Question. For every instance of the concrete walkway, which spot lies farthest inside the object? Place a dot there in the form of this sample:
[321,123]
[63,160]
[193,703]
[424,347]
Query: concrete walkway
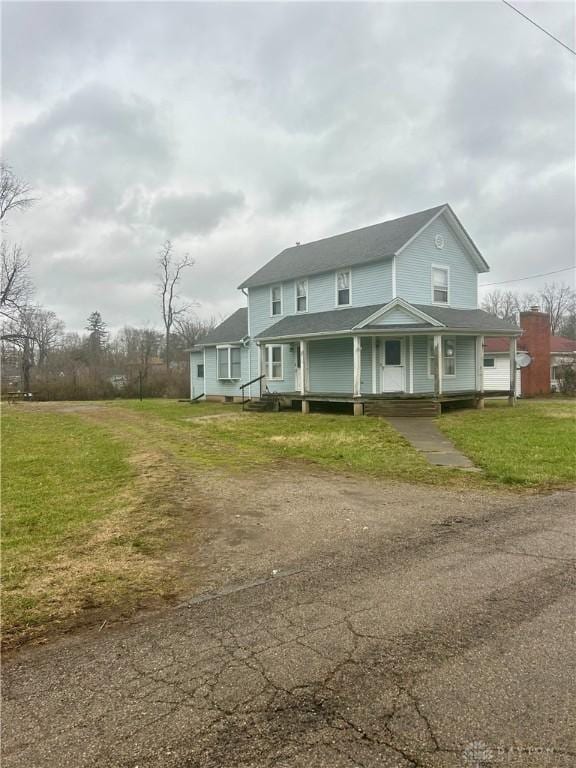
[425,436]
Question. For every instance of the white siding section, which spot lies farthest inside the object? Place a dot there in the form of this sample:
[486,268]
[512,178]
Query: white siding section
[498,378]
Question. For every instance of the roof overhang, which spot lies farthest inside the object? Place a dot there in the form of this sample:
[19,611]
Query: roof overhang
[397,331]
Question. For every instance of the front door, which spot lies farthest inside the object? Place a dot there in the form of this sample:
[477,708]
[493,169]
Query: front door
[392,366]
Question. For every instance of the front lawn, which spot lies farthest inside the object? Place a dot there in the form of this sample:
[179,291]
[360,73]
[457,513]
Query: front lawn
[217,436]
[531,445]
[72,538]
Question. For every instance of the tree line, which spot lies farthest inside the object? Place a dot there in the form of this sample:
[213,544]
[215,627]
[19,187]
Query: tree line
[558,301]
[39,356]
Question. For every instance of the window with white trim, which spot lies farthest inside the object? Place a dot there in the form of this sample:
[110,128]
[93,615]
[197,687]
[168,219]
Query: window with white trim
[440,285]
[301,295]
[200,370]
[489,362]
[448,357]
[228,362]
[276,300]
[274,361]
[343,288]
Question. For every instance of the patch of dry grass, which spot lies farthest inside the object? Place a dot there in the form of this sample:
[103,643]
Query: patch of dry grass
[83,532]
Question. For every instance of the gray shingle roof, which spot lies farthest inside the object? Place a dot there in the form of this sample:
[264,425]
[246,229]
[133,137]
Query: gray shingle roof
[345,320]
[466,318]
[334,320]
[360,246]
[234,328]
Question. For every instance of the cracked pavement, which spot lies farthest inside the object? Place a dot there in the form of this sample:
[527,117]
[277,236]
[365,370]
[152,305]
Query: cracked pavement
[393,649]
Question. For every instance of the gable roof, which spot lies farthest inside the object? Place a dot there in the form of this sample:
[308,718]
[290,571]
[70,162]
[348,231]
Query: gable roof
[233,329]
[349,249]
[348,321]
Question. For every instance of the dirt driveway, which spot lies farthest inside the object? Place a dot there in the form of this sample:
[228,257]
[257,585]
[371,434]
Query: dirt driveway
[351,623]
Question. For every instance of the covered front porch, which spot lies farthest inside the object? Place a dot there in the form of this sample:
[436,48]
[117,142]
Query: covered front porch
[419,371]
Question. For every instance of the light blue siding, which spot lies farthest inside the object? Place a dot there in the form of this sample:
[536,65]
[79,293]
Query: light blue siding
[398,316]
[465,378]
[331,365]
[414,268]
[371,284]
[366,365]
[196,383]
[215,386]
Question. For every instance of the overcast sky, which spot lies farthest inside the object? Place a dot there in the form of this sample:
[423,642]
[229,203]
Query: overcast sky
[238,129]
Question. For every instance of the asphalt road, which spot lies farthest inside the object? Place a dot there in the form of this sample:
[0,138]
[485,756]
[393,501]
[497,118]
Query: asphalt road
[450,644]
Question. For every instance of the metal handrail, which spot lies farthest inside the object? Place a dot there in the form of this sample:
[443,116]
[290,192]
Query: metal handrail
[247,384]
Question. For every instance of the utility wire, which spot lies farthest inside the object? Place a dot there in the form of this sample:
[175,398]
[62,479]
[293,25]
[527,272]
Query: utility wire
[530,277]
[539,27]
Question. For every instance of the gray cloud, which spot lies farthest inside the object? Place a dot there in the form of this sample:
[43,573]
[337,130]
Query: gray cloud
[180,214]
[237,129]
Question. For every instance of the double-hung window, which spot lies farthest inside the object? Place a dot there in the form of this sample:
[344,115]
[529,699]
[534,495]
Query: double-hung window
[276,300]
[448,357]
[343,288]
[301,295]
[274,361]
[229,366]
[440,285]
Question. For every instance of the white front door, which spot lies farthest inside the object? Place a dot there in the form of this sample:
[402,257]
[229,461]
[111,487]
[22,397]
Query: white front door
[392,365]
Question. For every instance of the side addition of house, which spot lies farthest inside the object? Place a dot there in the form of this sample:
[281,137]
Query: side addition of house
[387,312]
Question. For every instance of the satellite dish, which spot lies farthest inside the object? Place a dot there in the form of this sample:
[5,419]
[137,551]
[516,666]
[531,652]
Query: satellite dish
[523,359]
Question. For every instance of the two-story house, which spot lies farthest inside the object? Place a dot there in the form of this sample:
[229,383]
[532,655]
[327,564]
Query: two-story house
[389,311]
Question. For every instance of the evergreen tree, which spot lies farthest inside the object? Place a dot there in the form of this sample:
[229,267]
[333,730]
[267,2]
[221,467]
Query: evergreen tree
[97,335]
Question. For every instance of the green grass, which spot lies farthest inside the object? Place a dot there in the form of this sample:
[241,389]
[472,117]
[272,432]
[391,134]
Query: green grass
[531,445]
[216,436]
[66,544]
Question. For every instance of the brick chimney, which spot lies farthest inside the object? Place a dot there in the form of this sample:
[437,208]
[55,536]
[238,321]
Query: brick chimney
[536,341]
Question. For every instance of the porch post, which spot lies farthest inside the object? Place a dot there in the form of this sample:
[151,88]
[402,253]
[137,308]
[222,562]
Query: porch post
[437,366]
[357,365]
[303,367]
[480,371]
[512,395]
[262,359]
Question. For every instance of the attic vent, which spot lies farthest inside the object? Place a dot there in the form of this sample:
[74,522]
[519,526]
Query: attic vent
[439,241]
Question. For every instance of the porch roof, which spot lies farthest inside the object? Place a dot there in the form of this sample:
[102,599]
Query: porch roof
[350,322]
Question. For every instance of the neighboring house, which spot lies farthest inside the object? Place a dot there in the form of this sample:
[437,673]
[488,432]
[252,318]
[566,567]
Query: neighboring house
[387,311]
[547,354]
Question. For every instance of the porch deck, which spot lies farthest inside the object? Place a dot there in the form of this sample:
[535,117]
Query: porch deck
[348,397]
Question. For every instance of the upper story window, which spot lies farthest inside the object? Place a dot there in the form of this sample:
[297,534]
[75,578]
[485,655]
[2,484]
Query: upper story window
[276,300]
[440,285]
[229,366]
[301,295]
[343,288]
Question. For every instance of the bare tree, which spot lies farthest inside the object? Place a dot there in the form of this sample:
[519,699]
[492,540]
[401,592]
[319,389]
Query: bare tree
[558,301]
[47,331]
[15,284]
[15,194]
[190,328]
[169,276]
[504,304]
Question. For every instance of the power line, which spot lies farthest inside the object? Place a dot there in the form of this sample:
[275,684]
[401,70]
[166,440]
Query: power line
[539,27]
[530,277]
